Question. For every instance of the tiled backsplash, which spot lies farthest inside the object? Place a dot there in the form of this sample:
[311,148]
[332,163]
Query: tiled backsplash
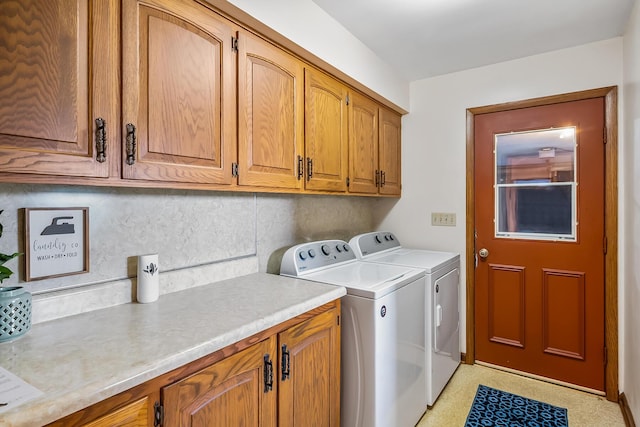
[197,234]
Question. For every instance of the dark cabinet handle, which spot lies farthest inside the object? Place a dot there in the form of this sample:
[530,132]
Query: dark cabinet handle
[285,362]
[268,374]
[158,414]
[383,178]
[309,168]
[101,140]
[300,167]
[131,144]
[377,178]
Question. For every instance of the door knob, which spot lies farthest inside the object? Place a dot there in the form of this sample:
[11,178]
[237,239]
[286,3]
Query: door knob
[483,253]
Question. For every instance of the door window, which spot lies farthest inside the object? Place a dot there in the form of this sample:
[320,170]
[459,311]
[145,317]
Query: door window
[535,184]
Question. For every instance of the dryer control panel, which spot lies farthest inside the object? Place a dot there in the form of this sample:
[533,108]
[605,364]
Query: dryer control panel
[371,243]
[313,256]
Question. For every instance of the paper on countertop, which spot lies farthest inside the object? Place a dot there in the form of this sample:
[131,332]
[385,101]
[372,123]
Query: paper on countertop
[14,391]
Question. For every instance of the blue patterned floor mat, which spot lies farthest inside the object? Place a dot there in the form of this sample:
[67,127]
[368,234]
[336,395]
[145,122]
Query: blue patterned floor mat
[497,408]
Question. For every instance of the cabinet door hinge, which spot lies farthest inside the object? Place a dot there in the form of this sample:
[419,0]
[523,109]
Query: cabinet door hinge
[158,415]
[604,135]
[348,181]
[234,170]
[605,244]
[338,319]
[234,44]
[347,99]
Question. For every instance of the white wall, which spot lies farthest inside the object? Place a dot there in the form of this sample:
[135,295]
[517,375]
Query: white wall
[434,135]
[631,277]
[303,22]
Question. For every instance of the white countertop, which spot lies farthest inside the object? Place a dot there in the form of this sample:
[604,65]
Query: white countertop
[80,360]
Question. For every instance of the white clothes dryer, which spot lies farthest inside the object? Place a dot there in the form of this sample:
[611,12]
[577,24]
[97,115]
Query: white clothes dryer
[442,272]
[383,332]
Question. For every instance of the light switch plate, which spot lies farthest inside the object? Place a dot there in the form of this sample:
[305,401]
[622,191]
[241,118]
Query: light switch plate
[446,219]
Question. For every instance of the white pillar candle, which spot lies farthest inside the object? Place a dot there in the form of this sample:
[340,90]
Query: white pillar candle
[148,287]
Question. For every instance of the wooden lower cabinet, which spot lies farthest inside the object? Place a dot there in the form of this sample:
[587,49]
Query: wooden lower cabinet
[288,375]
[135,414]
[132,408]
[293,380]
[237,391]
[310,373]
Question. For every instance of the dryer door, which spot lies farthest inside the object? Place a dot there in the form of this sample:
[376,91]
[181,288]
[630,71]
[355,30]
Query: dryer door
[445,315]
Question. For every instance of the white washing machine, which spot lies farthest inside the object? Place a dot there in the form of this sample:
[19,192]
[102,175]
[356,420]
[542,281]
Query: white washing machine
[442,270]
[383,332]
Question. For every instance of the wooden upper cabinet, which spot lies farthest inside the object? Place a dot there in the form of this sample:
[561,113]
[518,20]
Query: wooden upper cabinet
[374,148]
[364,173]
[310,372]
[228,393]
[326,145]
[58,73]
[270,115]
[390,155]
[169,91]
[179,93]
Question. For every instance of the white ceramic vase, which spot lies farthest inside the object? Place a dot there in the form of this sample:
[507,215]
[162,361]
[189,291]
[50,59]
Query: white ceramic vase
[148,288]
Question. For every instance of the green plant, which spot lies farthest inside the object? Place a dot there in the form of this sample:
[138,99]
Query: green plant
[5,272]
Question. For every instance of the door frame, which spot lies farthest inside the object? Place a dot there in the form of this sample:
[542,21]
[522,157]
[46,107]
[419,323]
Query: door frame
[610,96]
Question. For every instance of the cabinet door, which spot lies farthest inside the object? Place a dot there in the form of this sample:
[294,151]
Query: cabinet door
[270,115]
[326,142]
[390,157]
[364,173]
[122,410]
[228,393]
[310,372]
[135,414]
[58,73]
[178,92]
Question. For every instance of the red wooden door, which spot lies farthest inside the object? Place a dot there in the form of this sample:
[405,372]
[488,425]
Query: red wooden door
[539,214]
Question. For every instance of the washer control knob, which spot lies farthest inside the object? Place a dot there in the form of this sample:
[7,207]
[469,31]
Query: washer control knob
[378,239]
[338,248]
[311,253]
[345,247]
[325,249]
[386,237]
[391,237]
[302,256]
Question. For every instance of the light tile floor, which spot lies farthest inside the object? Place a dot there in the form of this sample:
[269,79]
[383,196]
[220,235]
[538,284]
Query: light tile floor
[452,407]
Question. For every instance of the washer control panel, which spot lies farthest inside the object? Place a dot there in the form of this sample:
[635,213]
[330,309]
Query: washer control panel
[315,255]
[370,243]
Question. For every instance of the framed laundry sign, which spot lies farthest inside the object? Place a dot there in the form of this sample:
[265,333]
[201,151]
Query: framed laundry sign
[56,242]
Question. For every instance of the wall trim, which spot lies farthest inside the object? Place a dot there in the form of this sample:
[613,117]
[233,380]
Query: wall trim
[610,96]
[626,411]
